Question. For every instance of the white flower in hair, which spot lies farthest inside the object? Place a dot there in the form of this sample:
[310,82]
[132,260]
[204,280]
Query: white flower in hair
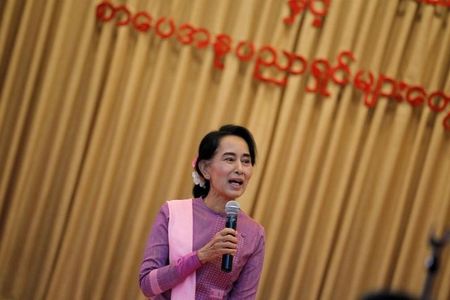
[198,180]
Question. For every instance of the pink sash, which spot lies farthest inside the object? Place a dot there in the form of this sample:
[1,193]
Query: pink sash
[180,243]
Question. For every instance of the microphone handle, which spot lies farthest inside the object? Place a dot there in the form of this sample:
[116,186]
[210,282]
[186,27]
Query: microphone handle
[227,259]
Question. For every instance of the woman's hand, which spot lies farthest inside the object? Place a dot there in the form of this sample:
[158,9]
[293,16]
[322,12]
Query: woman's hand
[223,242]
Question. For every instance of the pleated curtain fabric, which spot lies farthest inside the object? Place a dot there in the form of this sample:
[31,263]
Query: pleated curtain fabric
[101,115]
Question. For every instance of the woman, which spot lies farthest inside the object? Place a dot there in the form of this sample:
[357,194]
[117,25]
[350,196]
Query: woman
[182,259]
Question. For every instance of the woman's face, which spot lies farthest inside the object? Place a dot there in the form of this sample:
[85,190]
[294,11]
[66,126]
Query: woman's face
[230,169]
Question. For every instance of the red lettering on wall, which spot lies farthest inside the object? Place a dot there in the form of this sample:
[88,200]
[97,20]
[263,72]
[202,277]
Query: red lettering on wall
[416,95]
[144,25]
[319,8]
[185,34]
[445,3]
[365,86]
[438,101]
[247,53]
[296,60]
[446,122]
[222,46]
[105,11]
[266,67]
[342,67]
[321,72]
[124,15]
[160,24]
[274,66]
[202,43]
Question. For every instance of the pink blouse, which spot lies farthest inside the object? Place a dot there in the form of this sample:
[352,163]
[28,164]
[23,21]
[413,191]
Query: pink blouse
[157,277]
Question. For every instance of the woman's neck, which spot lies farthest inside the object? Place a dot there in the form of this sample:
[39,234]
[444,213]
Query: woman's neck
[217,204]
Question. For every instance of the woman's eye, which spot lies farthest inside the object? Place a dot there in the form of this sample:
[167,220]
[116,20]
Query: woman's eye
[229,159]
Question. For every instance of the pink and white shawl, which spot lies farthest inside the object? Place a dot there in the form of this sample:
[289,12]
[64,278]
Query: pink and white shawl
[180,234]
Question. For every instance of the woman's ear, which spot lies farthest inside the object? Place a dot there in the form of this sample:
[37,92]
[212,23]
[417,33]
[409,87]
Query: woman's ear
[203,166]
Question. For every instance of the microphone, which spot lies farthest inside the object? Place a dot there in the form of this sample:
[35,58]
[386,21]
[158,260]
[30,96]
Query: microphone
[232,210]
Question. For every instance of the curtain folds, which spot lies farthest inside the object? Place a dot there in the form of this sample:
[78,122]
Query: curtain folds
[99,123]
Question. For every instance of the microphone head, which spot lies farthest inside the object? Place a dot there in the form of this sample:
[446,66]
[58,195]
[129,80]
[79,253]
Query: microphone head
[232,208]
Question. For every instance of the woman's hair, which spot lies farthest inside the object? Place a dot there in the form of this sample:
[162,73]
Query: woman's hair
[208,147]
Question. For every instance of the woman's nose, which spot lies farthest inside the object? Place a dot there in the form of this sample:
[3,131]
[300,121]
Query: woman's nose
[238,169]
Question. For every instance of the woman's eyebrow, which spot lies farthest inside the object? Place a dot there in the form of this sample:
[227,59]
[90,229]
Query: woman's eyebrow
[234,154]
[229,153]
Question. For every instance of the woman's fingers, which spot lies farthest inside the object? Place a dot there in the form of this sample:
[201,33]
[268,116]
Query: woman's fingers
[227,231]
[223,242]
[226,245]
[227,235]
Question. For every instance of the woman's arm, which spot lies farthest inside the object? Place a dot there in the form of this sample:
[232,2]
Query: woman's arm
[247,284]
[156,274]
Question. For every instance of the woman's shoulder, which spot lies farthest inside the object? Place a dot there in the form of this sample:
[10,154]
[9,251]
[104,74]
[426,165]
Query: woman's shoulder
[178,201]
[250,224]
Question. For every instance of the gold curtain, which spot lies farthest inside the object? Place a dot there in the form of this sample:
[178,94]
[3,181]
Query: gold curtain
[99,124]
